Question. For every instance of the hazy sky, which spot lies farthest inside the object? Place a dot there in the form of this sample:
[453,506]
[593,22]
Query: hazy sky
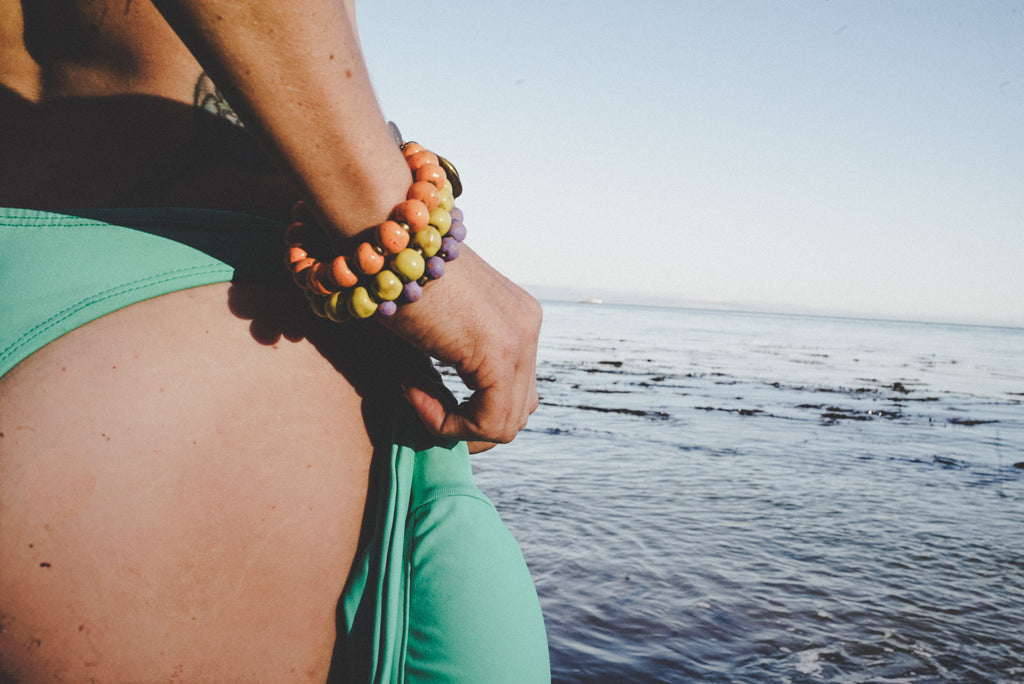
[846,155]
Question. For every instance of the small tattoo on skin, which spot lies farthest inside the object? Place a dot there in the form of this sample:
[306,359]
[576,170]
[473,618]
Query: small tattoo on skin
[209,99]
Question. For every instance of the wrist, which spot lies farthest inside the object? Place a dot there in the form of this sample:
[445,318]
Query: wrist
[389,263]
[369,194]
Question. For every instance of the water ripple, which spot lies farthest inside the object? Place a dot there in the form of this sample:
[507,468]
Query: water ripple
[715,497]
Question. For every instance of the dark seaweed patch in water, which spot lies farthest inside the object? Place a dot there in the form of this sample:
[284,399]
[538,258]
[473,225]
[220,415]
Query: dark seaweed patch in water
[832,414]
[969,423]
[557,431]
[742,412]
[661,415]
[839,414]
[949,462]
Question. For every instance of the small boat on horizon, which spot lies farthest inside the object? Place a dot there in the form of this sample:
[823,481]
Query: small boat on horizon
[592,300]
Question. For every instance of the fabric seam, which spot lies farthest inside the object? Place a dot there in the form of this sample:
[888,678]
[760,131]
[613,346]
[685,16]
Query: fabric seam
[103,295]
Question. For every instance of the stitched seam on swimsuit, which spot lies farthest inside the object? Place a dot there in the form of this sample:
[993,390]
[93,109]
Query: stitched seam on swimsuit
[451,493]
[101,296]
[49,221]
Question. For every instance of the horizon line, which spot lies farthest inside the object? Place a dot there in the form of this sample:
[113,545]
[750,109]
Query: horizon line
[599,297]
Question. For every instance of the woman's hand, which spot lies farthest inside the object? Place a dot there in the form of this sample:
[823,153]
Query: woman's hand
[486,328]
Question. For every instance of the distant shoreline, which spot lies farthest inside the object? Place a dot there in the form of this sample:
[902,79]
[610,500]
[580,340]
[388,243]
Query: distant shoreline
[571,296]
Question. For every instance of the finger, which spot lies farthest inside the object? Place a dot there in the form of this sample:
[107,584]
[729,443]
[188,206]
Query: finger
[488,415]
[429,398]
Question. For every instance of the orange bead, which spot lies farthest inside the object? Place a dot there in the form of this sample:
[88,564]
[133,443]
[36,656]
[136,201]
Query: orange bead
[315,279]
[392,237]
[433,174]
[370,261]
[342,272]
[412,148]
[299,269]
[295,234]
[417,160]
[301,265]
[412,212]
[294,254]
[425,192]
[301,212]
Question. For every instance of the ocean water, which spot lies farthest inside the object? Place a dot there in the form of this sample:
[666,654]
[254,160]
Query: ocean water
[728,497]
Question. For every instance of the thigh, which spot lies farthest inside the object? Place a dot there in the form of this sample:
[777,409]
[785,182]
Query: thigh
[181,490]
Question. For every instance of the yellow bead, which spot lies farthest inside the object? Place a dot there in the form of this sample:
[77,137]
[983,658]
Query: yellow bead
[360,304]
[447,198]
[441,219]
[409,264]
[429,240]
[316,303]
[387,286]
[334,307]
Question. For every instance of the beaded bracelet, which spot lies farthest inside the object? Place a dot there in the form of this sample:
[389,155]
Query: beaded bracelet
[397,258]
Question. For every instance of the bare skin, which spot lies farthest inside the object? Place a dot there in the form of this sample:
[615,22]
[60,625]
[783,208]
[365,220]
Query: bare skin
[164,515]
[182,482]
[147,534]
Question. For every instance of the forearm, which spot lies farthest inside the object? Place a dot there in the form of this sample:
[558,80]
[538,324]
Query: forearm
[295,73]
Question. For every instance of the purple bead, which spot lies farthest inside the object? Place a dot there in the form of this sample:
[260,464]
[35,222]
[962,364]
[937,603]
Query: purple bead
[387,309]
[435,267]
[449,249]
[457,231]
[412,292]
[457,215]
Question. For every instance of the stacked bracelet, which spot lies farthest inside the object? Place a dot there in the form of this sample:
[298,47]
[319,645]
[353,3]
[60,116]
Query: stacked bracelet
[397,258]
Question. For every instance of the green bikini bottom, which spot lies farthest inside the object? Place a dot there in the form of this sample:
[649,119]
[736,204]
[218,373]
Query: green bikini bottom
[440,591]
